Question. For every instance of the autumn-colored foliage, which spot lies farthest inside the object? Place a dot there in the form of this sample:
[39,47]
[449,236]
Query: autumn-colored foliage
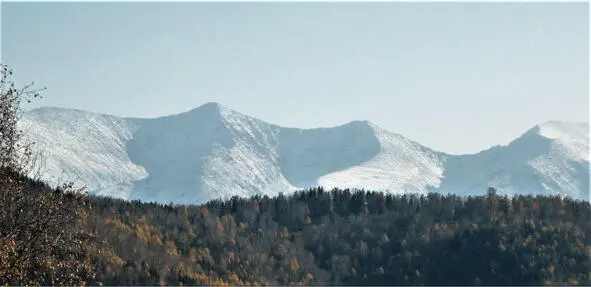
[396,240]
[42,241]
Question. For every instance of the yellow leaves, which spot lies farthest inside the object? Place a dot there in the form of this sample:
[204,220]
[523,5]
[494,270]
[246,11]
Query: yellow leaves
[529,240]
[219,228]
[111,256]
[203,279]
[384,239]
[294,266]
[232,257]
[83,214]
[201,255]
[204,251]
[48,264]
[217,282]
[114,259]
[118,223]
[233,279]
[551,269]
[227,220]
[281,249]
[284,233]
[171,248]
[199,277]
[148,234]
[193,255]
[180,269]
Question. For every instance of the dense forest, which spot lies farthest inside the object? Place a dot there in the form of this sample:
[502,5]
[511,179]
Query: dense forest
[320,237]
[343,237]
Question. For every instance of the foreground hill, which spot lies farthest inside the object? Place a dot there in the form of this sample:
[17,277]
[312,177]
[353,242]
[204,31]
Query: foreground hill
[212,152]
[340,237]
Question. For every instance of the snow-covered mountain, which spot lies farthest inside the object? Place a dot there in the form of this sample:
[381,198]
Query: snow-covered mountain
[212,152]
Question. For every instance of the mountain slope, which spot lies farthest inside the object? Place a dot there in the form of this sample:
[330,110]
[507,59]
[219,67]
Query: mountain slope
[86,147]
[550,158]
[213,152]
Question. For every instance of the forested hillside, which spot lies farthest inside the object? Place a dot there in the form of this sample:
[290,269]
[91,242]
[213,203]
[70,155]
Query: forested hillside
[344,237]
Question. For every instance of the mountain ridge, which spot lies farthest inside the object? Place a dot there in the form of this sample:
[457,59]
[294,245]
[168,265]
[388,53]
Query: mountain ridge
[213,151]
[220,107]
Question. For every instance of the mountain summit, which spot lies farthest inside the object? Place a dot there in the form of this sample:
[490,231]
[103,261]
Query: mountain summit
[213,151]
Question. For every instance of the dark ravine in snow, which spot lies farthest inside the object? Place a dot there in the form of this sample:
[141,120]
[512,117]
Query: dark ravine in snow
[212,152]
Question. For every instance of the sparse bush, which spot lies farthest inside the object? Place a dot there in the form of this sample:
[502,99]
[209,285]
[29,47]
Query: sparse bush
[15,153]
[42,241]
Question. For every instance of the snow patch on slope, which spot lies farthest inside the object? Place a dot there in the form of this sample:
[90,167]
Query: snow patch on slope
[307,155]
[564,168]
[242,171]
[571,140]
[81,145]
[400,166]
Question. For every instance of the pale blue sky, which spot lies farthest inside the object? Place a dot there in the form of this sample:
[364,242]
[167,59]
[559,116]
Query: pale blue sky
[455,77]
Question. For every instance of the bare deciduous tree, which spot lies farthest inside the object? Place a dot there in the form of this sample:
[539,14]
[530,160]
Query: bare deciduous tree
[42,241]
[15,152]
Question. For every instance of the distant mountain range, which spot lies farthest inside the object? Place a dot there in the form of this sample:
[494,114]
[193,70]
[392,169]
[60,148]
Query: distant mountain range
[212,152]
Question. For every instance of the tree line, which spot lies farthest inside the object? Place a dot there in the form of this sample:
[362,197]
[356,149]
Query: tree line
[345,237]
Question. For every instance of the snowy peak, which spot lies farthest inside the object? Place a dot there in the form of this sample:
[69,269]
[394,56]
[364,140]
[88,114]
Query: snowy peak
[210,106]
[573,138]
[211,110]
[549,158]
[212,151]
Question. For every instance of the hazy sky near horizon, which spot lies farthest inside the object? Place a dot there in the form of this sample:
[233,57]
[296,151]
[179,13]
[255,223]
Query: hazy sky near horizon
[457,78]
